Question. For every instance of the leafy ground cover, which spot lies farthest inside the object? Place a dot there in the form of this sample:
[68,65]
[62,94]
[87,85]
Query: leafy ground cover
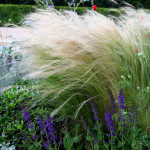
[21,128]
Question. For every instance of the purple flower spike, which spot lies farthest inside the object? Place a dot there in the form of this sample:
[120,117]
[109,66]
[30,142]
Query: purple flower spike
[46,145]
[28,120]
[50,6]
[113,104]
[110,123]
[41,123]
[51,131]
[121,100]
[94,111]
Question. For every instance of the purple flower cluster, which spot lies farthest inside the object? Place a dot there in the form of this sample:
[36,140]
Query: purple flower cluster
[48,132]
[50,6]
[41,123]
[122,116]
[51,131]
[29,122]
[121,100]
[94,111]
[47,127]
[72,2]
[110,123]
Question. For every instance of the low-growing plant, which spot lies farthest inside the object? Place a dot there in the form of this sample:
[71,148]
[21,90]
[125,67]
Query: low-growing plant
[120,130]
[9,66]
[11,121]
[123,131]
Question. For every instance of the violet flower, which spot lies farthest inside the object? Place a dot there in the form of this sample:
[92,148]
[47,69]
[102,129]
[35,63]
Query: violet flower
[72,2]
[122,116]
[28,120]
[41,123]
[46,145]
[50,6]
[94,111]
[121,100]
[51,131]
[110,123]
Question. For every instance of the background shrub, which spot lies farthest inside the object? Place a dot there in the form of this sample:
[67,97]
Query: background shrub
[87,3]
[14,12]
[17,12]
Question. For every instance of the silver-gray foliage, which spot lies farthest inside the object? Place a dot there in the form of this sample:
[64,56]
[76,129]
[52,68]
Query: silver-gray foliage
[9,67]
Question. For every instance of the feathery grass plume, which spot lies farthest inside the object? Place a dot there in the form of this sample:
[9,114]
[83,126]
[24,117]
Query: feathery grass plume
[82,54]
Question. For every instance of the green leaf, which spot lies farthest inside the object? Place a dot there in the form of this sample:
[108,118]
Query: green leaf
[12,105]
[67,141]
[77,138]
[18,101]
[89,138]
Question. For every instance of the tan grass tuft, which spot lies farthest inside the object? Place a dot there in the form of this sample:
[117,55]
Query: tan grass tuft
[86,53]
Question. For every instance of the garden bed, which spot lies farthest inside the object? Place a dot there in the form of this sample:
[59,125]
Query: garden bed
[77,82]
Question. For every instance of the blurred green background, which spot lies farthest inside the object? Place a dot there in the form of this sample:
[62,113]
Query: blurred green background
[87,3]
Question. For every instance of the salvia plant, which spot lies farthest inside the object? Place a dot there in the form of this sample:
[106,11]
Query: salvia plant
[47,137]
[121,126]
[120,130]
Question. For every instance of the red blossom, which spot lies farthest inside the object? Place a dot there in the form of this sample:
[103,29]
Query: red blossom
[94,7]
[142,18]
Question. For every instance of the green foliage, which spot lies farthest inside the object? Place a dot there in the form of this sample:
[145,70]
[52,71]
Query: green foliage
[12,126]
[68,141]
[82,10]
[128,134]
[16,13]
[11,120]
[102,3]
[9,66]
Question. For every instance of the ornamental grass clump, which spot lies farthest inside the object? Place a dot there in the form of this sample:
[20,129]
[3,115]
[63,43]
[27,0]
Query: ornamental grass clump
[74,55]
